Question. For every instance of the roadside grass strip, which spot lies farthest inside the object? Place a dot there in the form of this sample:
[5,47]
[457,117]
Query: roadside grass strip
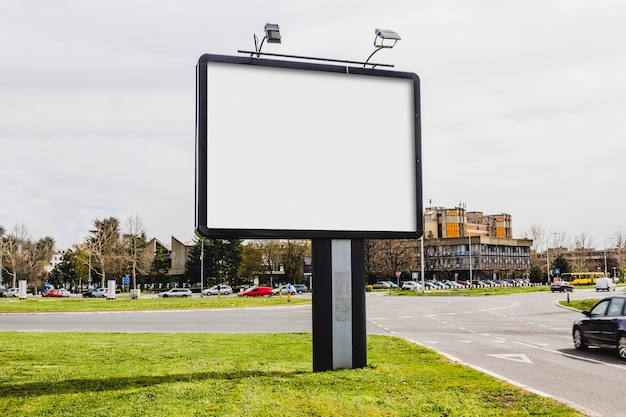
[154,374]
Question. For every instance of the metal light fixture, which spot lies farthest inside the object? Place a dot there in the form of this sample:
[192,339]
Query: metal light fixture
[384,39]
[272,35]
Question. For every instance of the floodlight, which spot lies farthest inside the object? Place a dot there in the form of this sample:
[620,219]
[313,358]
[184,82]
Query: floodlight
[382,34]
[272,33]
[379,41]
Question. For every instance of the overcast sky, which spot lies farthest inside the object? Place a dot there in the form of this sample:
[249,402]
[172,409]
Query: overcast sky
[523,104]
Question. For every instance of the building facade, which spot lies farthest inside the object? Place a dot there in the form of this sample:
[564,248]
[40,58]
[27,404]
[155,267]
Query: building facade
[462,245]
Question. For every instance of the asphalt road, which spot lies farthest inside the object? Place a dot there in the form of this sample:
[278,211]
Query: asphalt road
[523,338]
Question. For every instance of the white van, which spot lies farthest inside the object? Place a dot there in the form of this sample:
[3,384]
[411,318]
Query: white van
[605,284]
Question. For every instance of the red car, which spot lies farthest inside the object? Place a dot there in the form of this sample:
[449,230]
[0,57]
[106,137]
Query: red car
[52,292]
[256,292]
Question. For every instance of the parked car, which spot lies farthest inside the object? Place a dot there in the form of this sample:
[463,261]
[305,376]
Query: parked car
[51,292]
[256,292]
[2,291]
[89,293]
[301,288]
[411,285]
[561,286]
[429,285]
[101,293]
[176,292]
[284,290]
[604,325]
[605,284]
[12,292]
[221,289]
[63,292]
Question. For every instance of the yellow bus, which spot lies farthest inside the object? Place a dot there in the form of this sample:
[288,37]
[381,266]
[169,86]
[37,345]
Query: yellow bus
[582,278]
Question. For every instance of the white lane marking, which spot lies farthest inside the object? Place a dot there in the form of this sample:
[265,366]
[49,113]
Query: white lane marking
[569,355]
[517,357]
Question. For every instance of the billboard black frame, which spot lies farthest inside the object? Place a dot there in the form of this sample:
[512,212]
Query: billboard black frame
[201,168]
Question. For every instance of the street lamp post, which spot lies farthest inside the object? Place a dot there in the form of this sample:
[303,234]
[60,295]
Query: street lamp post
[548,265]
[469,235]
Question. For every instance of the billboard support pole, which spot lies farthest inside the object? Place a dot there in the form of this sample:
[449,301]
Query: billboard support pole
[339,320]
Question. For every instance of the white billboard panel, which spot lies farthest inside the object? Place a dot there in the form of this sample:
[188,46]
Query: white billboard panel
[289,149]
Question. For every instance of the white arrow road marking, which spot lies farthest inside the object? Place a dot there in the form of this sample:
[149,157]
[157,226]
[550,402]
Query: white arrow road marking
[517,357]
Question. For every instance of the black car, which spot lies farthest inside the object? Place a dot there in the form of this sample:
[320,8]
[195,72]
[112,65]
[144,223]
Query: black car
[604,325]
[89,293]
[561,286]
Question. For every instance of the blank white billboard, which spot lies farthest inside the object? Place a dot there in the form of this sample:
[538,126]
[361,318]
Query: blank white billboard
[287,149]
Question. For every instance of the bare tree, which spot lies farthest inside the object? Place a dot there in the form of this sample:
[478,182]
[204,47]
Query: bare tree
[582,246]
[35,255]
[135,243]
[103,245]
[618,241]
[13,252]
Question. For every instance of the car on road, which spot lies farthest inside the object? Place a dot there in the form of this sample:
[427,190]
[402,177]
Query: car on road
[301,288]
[12,292]
[605,284]
[176,292]
[604,325]
[218,289]
[256,292]
[284,290]
[561,286]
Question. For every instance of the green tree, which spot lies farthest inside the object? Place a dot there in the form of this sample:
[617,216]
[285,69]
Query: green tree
[160,265]
[561,264]
[537,274]
[221,261]
[65,271]
[292,259]
[251,262]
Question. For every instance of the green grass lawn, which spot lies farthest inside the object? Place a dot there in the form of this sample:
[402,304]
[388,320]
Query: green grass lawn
[34,304]
[126,375]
